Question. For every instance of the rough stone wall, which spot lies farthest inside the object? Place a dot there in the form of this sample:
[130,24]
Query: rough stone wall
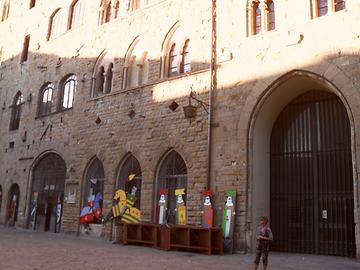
[248,68]
[73,134]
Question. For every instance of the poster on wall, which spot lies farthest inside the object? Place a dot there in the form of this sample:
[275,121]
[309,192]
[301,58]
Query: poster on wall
[71,193]
[207,211]
[33,210]
[180,207]
[228,216]
[161,213]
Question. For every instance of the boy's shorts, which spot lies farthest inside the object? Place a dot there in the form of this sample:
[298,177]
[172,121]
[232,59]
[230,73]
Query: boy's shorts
[264,252]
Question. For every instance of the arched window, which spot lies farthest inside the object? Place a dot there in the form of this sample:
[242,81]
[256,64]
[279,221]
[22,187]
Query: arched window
[173,61]
[32,3]
[135,69]
[103,74]
[56,27]
[117,8]
[339,5]
[108,12]
[100,80]
[109,78]
[16,111]
[46,96]
[185,65]
[76,13]
[256,17]
[131,167]
[270,15]
[172,175]
[5,11]
[143,67]
[94,182]
[322,7]
[68,90]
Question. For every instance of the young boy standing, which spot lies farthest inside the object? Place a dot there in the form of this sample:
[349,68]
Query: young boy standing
[263,237]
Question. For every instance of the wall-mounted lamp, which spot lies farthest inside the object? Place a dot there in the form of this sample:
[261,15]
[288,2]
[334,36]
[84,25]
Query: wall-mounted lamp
[190,110]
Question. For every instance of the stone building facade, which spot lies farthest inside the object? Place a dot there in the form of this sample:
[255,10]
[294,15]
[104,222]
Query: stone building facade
[253,61]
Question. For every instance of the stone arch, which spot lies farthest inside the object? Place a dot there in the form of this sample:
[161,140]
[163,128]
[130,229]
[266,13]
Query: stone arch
[267,107]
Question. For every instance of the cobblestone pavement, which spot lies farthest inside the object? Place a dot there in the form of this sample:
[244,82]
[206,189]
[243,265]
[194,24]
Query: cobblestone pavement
[29,250]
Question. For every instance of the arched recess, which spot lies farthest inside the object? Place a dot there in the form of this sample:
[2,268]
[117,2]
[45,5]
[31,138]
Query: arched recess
[47,193]
[12,204]
[130,167]
[103,74]
[93,183]
[136,65]
[172,174]
[264,115]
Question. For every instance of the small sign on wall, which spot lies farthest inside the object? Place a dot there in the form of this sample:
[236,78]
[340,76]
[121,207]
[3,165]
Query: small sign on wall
[71,193]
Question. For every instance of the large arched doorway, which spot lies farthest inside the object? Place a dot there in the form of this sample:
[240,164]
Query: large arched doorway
[47,192]
[12,204]
[311,179]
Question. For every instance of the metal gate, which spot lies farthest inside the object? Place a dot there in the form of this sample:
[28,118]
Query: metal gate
[312,204]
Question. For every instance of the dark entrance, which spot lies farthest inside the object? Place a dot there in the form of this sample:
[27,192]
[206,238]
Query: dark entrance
[12,205]
[172,176]
[47,193]
[312,201]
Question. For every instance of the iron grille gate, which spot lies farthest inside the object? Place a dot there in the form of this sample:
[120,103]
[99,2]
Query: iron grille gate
[311,177]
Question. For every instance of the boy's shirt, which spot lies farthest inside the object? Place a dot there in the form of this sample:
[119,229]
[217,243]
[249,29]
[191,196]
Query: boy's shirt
[264,231]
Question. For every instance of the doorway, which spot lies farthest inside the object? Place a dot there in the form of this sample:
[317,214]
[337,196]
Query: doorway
[12,205]
[46,204]
[311,179]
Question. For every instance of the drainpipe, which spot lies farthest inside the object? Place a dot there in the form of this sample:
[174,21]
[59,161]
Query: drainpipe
[213,86]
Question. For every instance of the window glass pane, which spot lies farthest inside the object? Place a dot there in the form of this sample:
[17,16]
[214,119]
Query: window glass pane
[339,5]
[173,61]
[69,92]
[322,7]
[257,20]
[56,25]
[187,60]
[271,16]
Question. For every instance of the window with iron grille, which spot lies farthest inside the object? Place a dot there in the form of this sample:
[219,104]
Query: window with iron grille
[172,175]
[94,181]
[131,167]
